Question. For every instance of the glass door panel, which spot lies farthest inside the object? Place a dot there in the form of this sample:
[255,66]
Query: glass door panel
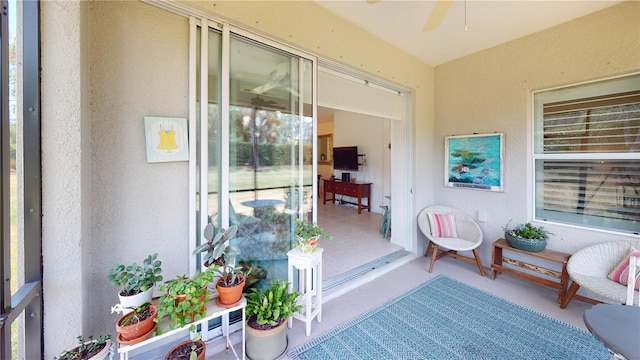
[267,152]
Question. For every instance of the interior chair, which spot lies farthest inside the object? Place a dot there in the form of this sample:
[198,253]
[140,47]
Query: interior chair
[468,236]
[589,267]
[634,274]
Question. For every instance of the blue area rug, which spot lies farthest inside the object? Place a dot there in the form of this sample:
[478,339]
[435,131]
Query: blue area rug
[446,319]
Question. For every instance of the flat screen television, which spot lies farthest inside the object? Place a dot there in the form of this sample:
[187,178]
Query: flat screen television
[345,158]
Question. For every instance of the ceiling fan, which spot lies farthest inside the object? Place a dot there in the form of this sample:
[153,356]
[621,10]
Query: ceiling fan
[278,77]
[437,15]
[261,103]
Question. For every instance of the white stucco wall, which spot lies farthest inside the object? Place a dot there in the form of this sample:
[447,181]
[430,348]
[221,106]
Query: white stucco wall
[66,187]
[103,203]
[108,64]
[490,91]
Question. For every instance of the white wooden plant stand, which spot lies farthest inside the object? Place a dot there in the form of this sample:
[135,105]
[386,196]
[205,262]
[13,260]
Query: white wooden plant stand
[310,285]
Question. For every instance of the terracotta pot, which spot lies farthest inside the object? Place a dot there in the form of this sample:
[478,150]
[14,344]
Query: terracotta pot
[176,350]
[230,295]
[136,330]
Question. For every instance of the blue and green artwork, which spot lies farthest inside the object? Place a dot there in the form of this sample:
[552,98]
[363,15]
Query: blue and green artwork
[474,161]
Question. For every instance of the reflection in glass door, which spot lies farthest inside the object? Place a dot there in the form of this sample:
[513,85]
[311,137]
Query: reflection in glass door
[270,152]
[257,143]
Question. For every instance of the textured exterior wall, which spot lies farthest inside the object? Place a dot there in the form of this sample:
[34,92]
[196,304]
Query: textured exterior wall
[490,91]
[65,167]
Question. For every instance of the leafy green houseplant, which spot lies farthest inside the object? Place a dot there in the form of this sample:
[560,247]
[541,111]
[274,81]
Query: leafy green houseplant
[526,237]
[267,313]
[308,234]
[184,298]
[216,249]
[90,348]
[135,279]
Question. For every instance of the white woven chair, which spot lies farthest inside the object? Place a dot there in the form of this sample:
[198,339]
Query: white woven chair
[634,272]
[589,267]
[468,231]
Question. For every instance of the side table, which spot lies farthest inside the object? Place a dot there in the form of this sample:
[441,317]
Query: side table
[310,285]
[556,256]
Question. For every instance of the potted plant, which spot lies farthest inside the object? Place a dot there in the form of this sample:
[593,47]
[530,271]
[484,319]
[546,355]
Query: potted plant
[184,298]
[267,313]
[526,237]
[308,234]
[187,350]
[136,282]
[89,349]
[216,249]
[136,325]
[230,284]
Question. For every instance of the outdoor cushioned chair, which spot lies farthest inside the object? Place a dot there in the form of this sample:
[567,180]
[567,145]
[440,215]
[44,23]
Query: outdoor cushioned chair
[452,230]
[589,267]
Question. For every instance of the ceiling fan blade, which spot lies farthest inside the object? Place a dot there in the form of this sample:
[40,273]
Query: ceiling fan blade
[437,15]
[263,88]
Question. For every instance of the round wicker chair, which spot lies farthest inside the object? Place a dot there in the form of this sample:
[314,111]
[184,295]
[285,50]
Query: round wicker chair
[589,267]
[468,231]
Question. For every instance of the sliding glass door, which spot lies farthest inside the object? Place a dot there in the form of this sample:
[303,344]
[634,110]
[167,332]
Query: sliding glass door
[257,142]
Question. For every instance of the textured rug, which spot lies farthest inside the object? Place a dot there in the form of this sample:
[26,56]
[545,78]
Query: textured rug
[446,319]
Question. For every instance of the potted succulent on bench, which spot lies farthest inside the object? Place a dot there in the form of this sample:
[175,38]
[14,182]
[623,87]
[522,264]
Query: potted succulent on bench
[136,282]
[308,234]
[89,349]
[216,249]
[526,237]
[231,283]
[136,325]
[267,313]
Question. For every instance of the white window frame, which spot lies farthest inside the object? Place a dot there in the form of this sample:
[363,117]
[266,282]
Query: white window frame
[533,155]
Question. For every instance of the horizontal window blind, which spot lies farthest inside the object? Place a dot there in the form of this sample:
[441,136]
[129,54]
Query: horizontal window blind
[608,123]
[586,169]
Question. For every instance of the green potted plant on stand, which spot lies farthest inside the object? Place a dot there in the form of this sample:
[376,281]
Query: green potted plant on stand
[89,349]
[230,284]
[184,298]
[216,249]
[308,234]
[526,237]
[136,282]
[267,313]
[136,325]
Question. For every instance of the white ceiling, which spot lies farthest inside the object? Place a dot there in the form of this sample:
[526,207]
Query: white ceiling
[489,23]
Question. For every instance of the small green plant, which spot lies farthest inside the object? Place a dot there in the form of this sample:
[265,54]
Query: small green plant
[184,298]
[306,230]
[527,231]
[229,274]
[86,348]
[134,279]
[137,313]
[216,251]
[268,308]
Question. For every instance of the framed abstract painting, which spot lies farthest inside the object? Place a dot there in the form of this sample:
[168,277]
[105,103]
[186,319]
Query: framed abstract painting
[474,161]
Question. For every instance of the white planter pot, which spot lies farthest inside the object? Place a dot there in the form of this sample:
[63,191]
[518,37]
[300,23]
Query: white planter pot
[266,344]
[137,299]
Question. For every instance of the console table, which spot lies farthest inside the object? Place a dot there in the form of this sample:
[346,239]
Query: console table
[556,256]
[355,190]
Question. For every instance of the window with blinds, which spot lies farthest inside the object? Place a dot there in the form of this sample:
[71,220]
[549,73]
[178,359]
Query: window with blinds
[587,154]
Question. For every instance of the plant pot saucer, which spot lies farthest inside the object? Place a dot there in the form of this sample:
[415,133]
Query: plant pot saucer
[138,339]
[228,306]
